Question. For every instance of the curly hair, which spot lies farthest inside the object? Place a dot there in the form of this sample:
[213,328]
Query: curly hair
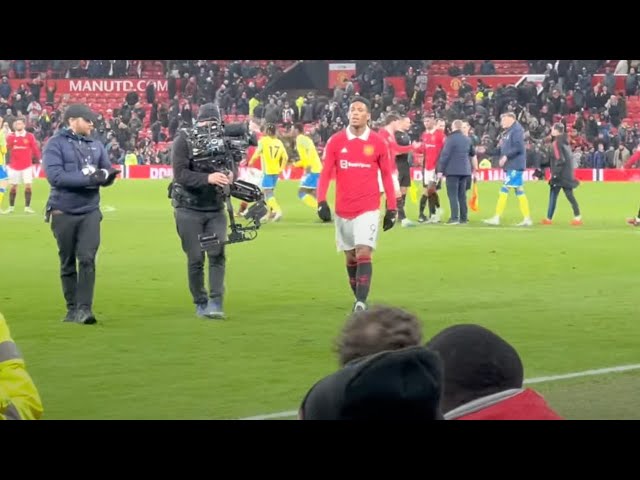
[376,330]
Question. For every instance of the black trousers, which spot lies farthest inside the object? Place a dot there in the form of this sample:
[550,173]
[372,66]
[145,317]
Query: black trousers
[554,192]
[78,238]
[457,193]
[190,224]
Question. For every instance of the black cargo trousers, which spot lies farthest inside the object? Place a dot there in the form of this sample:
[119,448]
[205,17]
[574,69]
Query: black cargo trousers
[189,224]
[78,238]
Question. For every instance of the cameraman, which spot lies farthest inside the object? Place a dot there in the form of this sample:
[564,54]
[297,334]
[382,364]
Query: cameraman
[199,208]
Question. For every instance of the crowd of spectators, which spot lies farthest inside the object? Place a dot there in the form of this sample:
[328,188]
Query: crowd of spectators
[140,130]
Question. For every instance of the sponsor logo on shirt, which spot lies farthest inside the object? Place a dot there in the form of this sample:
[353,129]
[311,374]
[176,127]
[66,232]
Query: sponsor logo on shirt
[344,164]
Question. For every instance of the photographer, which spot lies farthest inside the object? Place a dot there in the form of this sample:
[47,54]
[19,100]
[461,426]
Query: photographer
[76,167]
[199,208]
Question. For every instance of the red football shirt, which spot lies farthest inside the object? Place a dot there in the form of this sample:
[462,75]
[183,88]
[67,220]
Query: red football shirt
[356,162]
[22,149]
[258,163]
[432,144]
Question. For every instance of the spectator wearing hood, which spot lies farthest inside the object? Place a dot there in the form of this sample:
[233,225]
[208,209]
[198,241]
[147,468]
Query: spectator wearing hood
[483,378]
[396,385]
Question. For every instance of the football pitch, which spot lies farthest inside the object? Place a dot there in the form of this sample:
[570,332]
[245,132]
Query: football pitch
[566,297]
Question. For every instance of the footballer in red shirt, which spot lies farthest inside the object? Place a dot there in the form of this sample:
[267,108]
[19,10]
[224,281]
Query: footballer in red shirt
[432,142]
[254,174]
[356,155]
[22,148]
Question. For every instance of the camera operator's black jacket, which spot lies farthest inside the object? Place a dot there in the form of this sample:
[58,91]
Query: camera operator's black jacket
[190,189]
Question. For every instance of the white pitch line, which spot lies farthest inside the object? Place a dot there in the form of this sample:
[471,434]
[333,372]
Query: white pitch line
[586,373]
[273,416]
[551,378]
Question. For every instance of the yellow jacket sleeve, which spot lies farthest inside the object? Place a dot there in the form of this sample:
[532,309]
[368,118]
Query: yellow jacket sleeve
[19,398]
[3,146]
[302,153]
[284,156]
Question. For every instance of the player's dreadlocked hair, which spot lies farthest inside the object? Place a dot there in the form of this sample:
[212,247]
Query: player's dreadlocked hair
[270,129]
[375,330]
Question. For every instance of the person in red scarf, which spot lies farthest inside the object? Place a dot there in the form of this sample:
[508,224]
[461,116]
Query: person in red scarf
[483,378]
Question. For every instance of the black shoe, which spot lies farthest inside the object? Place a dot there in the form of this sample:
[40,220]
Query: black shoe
[71,315]
[453,221]
[86,317]
[422,219]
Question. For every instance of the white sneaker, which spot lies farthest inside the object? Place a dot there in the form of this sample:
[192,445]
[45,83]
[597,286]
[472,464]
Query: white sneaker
[10,210]
[434,219]
[495,220]
[525,223]
[359,306]
[277,217]
[29,210]
[407,223]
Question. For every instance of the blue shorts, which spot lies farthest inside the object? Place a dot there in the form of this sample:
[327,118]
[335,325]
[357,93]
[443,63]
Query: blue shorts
[310,180]
[269,181]
[3,172]
[514,179]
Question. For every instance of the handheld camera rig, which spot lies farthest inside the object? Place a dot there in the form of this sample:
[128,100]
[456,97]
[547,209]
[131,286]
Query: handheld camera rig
[216,147]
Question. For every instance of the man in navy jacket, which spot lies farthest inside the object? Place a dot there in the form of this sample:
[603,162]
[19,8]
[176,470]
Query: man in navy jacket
[513,160]
[454,164]
[76,167]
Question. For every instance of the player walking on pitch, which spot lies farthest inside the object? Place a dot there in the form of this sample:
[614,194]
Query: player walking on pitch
[22,147]
[432,142]
[274,160]
[356,155]
[513,160]
[310,161]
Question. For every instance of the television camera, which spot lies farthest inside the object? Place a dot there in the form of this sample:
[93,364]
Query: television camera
[216,147]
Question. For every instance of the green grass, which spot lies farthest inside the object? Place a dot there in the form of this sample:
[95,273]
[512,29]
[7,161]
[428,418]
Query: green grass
[565,297]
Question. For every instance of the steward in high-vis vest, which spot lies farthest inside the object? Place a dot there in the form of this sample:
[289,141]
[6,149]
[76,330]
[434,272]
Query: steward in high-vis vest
[19,398]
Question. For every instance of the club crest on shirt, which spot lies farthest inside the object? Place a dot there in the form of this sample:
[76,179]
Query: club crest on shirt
[368,150]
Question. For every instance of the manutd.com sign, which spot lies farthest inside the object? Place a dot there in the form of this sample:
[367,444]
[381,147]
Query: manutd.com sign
[160,172]
[93,86]
[98,85]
